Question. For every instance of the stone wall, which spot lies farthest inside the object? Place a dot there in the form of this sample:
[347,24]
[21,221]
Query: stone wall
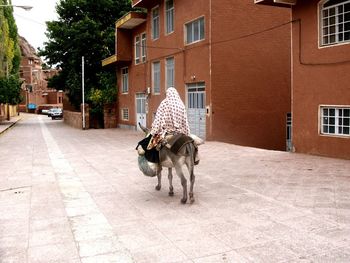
[8,111]
[75,118]
[110,116]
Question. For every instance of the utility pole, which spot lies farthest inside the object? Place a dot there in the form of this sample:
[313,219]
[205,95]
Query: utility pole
[83,89]
[7,77]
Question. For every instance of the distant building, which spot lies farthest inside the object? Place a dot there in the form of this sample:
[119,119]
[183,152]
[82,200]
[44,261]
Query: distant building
[229,60]
[36,94]
[320,75]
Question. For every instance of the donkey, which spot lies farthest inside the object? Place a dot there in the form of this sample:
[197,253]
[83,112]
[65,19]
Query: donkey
[168,159]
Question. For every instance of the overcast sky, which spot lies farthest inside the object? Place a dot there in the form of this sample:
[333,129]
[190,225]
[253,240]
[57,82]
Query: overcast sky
[31,24]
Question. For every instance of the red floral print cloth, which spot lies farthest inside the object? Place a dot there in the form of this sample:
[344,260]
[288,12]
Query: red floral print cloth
[171,116]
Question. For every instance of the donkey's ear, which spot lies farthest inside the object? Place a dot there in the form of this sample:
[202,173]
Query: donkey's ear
[144,129]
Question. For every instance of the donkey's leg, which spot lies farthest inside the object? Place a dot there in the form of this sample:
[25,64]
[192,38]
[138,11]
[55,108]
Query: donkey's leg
[159,177]
[183,183]
[170,177]
[190,167]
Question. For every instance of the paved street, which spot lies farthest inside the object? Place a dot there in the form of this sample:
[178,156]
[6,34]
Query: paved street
[68,195]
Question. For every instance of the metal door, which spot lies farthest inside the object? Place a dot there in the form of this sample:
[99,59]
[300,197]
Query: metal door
[140,110]
[196,108]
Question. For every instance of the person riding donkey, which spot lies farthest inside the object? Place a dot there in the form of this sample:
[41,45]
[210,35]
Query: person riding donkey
[170,119]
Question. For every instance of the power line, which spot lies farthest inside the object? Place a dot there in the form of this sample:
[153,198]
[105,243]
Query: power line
[29,19]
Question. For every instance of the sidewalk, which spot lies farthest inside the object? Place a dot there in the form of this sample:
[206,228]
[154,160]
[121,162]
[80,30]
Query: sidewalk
[74,196]
[4,125]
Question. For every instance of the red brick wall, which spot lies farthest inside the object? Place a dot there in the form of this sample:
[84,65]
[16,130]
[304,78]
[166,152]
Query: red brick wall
[250,74]
[315,83]
[247,81]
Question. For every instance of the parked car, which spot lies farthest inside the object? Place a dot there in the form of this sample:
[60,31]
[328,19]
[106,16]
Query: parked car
[45,111]
[56,113]
[49,112]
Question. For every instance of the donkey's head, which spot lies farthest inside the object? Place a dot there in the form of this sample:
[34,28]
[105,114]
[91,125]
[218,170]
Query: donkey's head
[144,129]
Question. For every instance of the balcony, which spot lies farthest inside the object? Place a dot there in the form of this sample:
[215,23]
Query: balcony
[124,38]
[131,20]
[142,3]
[280,3]
[109,61]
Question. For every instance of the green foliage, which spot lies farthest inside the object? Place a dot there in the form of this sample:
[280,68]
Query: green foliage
[84,28]
[99,97]
[10,57]
[10,91]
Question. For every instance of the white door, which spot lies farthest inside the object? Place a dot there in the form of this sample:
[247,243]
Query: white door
[140,110]
[196,109]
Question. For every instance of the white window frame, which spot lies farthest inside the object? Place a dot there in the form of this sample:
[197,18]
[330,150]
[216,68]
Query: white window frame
[143,47]
[155,24]
[137,49]
[125,80]
[337,28]
[168,71]
[191,23]
[154,77]
[125,114]
[169,20]
[335,121]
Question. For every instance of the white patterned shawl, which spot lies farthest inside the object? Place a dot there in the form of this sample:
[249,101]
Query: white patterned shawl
[171,115]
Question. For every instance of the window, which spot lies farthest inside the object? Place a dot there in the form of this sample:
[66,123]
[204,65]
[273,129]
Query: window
[137,49]
[143,47]
[140,48]
[156,77]
[335,22]
[195,31]
[155,23]
[170,72]
[125,114]
[335,120]
[169,16]
[125,80]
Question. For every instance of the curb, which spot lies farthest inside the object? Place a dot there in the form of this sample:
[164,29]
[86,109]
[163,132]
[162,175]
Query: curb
[10,125]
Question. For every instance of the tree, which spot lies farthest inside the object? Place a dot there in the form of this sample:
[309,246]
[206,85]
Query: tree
[10,57]
[84,28]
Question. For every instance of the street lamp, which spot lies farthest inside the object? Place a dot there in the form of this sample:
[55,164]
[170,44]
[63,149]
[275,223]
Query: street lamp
[25,7]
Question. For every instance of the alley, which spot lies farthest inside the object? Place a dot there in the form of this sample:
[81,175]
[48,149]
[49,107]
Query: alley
[69,195]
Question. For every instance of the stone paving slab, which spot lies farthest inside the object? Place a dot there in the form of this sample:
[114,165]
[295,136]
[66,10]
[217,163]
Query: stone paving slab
[69,195]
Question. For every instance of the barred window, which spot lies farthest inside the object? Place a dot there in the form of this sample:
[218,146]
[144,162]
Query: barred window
[125,114]
[335,120]
[335,22]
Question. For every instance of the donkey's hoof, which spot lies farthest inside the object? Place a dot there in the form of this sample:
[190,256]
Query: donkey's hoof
[191,198]
[183,200]
[158,187]
[171,193]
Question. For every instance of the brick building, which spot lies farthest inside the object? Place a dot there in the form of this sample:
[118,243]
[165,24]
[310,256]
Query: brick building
[36,94]
[320,76]
[229,60]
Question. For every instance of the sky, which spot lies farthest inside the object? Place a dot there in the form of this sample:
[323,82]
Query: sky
[31,24]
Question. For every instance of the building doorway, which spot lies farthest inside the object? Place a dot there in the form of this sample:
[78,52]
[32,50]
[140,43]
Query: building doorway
[140,110]
[196,108]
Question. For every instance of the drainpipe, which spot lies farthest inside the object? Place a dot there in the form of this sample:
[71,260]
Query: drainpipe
[209,114]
